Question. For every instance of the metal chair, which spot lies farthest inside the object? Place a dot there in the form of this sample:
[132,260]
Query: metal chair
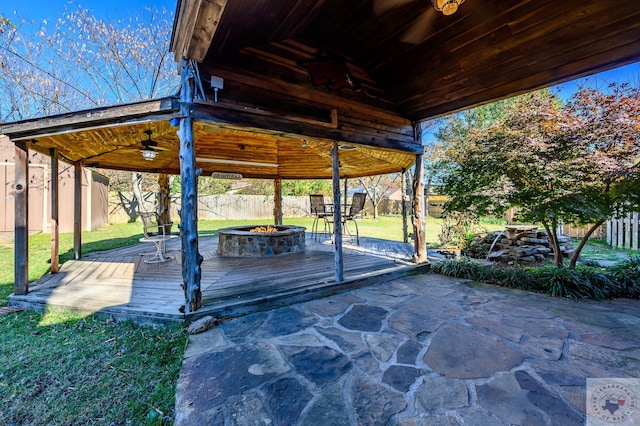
[319,211]
[356,211]
[151,224]
[155,232]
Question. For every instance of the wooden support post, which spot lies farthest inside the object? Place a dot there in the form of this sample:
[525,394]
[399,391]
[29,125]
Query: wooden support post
[403,194]
[277,202]
[337,214]
[164,198]
[77,210]
[191,258]
[21,198]
[55,243]
[419,241]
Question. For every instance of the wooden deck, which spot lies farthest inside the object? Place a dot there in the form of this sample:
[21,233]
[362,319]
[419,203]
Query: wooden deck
[118,283]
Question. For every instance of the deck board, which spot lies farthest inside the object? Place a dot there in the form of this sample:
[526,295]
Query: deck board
[120,284]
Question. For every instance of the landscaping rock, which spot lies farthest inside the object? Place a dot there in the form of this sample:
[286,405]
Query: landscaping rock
[525,246]
[203,324]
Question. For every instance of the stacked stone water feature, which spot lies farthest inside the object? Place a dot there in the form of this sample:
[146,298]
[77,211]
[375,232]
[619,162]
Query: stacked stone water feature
[517,243]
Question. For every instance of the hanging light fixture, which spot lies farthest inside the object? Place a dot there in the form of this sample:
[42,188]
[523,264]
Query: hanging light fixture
[447,7]
[147,147]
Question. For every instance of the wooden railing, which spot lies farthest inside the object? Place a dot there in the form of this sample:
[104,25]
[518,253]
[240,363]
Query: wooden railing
[624,232]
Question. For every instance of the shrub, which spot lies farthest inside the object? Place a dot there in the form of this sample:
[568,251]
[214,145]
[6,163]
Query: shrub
[585,282]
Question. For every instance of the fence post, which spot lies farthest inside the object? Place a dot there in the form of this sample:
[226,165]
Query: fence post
[636,232]
[620,222]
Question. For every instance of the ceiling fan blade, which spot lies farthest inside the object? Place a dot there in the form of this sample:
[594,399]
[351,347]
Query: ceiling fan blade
[380,7]
[421,28]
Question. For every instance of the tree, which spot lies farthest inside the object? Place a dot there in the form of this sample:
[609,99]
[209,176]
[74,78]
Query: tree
[81,61]
[557,165]
[610,128]
[376,187]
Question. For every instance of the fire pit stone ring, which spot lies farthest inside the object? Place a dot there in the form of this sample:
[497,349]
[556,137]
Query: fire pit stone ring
[240,241]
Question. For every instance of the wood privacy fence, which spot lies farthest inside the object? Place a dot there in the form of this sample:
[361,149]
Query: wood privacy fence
[624,232]
[124,207]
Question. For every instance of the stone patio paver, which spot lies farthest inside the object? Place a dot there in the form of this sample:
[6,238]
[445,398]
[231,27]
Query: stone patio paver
[422,350]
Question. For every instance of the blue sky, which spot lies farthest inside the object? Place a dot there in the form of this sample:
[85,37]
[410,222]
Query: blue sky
[37,10]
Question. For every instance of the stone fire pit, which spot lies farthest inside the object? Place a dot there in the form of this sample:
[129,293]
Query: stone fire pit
[239,241]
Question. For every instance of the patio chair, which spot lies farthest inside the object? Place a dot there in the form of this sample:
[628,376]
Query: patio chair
[158,233]
[151,224]
[319,211]
[356,212]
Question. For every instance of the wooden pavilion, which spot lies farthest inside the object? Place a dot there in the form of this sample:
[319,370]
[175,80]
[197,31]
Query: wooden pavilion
[287,89]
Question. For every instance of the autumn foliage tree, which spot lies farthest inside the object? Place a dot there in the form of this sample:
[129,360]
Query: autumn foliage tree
[574,164]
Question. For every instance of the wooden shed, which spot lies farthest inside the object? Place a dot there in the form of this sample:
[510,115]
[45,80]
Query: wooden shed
[95,194]
[328,89]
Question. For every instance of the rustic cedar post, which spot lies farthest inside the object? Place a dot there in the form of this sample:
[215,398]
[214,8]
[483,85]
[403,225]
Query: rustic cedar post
[55,244]
[403,194]
[164,199]
[21,198]
[419,242]
[77,210]
[337,213]
[191,258]
[277,202]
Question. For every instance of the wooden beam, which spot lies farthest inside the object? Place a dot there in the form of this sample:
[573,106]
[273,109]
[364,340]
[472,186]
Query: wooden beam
[77,210]
[21,198]
[196,23]
[112,116]
[337,214]
[191,258]
[55,194]
[355,134]
[277,201]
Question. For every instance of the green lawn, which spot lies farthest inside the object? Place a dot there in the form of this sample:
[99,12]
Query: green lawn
[60,368]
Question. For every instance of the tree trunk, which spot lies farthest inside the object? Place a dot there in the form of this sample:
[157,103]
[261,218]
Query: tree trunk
[552,232]
[419,242]
[583,241]
[138,201]
[164,198]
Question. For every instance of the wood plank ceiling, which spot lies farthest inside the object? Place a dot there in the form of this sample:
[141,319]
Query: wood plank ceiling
[410,59]
[300,74]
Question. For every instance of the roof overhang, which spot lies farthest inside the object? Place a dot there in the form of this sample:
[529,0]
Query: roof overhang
[228,138]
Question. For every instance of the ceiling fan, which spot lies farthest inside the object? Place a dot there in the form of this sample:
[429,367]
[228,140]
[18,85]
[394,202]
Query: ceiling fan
[148,148]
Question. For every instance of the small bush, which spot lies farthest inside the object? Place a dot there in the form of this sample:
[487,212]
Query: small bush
[585,282]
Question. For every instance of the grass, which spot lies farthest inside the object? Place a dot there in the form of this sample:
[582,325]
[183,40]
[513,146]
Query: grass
[598,250]
[61,368]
